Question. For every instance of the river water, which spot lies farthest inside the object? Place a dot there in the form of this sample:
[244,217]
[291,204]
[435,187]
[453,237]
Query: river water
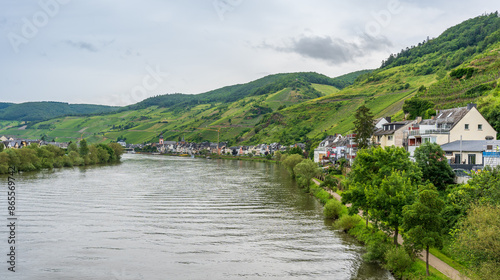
[158,217]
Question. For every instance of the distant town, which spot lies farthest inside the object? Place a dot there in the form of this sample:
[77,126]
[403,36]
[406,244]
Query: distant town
[468,140]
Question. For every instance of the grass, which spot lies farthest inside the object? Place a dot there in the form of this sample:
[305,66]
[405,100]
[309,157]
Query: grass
[449,261]
[420,267]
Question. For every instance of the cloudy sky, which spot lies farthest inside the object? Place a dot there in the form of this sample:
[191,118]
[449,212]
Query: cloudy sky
[119,52]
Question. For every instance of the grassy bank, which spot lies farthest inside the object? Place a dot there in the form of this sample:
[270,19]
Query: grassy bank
[378,244]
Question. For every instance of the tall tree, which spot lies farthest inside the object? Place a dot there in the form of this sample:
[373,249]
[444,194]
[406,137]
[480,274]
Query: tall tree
[387,201]
[363,127]
[423,222]
[434,165]
[84,149]
[305,171]
[369,170]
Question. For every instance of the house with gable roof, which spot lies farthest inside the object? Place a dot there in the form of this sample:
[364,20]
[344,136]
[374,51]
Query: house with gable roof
[463,123]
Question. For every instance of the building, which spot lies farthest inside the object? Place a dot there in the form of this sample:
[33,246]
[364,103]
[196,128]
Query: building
[463,123]
[391,133]
[472,153]
[326,148]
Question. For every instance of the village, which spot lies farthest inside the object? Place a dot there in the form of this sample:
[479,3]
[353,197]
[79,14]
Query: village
[468,140]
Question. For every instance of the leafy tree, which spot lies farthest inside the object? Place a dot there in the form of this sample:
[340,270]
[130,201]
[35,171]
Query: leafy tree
[422,221]
[483,188]
[84,149]
[363,127]
[477,241]
[417,107]
[369,170]
[2,147]
[434,165]
[387,201]
[306,170]
[277,155]
[296,150]
[117,151]
[291,161]
[72,147]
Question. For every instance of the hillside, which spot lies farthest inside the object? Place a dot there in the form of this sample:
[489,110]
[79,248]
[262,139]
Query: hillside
[37,111]
[460,66]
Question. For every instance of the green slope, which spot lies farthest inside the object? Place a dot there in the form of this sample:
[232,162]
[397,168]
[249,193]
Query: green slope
[36,111]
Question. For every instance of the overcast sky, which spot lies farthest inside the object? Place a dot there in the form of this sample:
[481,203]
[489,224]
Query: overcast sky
[119,52]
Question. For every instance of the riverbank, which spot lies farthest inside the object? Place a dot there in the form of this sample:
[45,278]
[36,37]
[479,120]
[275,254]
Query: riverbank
[439,269]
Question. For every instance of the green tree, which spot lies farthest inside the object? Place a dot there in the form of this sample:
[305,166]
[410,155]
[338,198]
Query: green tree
[72,147]
[387,201]
[117,149]
[2,147]
[370,167]
[291,161]
[296,150]
[363,127]
[423,222]
[434,165]
[84,149]
[305,171]
[483,188]
[477,241]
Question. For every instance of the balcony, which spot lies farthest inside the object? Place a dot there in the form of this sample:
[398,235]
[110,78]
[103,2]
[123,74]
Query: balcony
[419,132]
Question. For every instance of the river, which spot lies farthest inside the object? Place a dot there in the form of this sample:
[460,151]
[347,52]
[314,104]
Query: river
[158,217]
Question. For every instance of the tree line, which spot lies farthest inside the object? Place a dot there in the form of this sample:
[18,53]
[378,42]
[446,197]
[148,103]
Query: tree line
[34,157]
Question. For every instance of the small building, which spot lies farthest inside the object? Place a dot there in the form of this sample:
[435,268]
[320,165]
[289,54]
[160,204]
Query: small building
[391,133]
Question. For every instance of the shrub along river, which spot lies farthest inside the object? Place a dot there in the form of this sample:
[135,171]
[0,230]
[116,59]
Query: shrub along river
[158,217]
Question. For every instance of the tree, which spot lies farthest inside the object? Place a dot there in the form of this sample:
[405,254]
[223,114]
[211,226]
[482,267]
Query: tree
[2,147]
[387,201]
[363,127]
[117,151]
[84,149]
[296,150]
[370,167]
[477,241]
[423,222]
[291,161]
[305,171]
[72,147]
[483,188]
[434,165]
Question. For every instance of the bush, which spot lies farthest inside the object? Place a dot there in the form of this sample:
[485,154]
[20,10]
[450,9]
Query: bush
[347,222]
[333,208]
[376,250]
[397,260]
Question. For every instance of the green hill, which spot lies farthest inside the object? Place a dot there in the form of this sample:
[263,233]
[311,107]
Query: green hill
[460,66]
[37,111]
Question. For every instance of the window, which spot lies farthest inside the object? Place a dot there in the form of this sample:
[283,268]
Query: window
[479,127]
[389,137]
[466,126]
[472,158]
